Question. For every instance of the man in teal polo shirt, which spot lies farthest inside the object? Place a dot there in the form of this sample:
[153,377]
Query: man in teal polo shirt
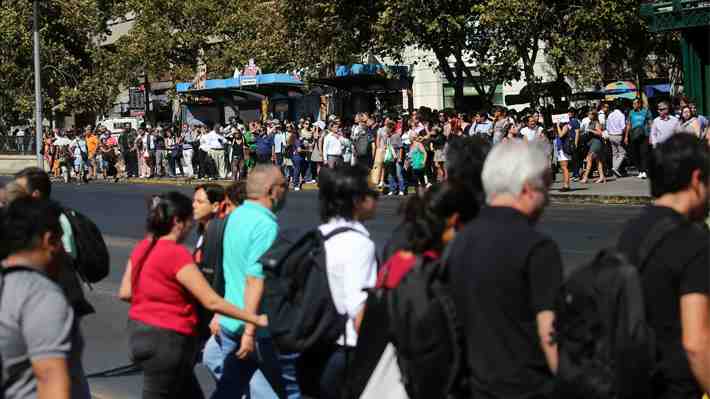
[250,231]
[639,126]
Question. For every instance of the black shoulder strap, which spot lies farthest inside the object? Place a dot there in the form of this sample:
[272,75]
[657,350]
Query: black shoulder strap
[659,232]
[340,230]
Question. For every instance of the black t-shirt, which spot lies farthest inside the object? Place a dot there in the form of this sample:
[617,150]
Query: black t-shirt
[498,297]
[678,266]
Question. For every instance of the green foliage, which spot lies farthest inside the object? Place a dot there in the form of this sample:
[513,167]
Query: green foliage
[466,48]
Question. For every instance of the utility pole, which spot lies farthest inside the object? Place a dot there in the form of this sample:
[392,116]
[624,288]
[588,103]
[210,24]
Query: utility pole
[38,84]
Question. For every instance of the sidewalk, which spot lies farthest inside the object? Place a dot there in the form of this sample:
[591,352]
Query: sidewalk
[626,190]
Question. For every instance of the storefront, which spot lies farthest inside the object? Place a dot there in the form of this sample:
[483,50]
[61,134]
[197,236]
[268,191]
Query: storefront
[249,97]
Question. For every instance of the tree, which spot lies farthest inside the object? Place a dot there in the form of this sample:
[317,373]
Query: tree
[526,24]
[465,49]
[323,34]
[68,30]
[605,39]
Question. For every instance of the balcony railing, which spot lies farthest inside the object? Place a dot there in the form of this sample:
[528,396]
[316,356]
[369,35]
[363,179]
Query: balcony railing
[676,14]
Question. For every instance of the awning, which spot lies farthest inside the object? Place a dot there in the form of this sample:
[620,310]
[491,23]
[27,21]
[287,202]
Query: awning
[256,83]
[360,78]
[657,89]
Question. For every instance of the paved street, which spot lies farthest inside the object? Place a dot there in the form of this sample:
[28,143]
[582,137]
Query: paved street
[119,210]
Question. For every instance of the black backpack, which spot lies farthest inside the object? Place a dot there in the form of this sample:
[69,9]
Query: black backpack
[426,332]
[92,258]
[362,144]
[297,298]
[606,349]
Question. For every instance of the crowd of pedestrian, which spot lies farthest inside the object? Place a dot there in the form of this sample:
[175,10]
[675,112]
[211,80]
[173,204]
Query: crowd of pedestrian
[472,236]
[400,150]
[467,290]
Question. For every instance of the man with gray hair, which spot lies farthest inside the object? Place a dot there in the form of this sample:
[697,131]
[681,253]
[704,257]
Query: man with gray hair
[505,276]
[664,125]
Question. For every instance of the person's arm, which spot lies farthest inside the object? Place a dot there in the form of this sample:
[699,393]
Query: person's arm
[52,375]
[194,281]
[545,332]
[545,276]
[695,321]
[627,129]
[124,292]
[654,134]
[252,299]
[696,129]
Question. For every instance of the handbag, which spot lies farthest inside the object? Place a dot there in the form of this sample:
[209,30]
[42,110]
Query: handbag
[389,154]
[386,380]
[568,146]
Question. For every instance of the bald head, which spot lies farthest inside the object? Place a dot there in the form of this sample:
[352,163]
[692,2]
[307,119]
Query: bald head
[261,179]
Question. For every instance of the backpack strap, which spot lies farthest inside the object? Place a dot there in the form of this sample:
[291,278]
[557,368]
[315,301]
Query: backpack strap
[341,230]
[659,232]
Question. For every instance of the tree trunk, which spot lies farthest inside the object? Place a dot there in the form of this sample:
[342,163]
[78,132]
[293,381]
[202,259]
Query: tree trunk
[458,94]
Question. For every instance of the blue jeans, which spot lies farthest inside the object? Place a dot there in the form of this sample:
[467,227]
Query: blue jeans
[397,181]
[265,372]
[213,359]
[297,171]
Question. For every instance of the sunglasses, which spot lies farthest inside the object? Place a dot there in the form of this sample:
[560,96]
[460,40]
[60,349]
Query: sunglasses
[663,109]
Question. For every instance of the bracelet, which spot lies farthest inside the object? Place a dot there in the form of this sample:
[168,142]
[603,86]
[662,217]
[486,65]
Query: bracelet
[249,335]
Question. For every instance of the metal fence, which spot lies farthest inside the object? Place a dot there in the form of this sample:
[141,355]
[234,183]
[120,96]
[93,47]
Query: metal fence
[23,145]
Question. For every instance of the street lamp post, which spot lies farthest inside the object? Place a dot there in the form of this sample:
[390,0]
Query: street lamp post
[38,84]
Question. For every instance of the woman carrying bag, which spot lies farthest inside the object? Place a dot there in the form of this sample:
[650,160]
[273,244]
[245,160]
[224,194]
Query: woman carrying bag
[163,285]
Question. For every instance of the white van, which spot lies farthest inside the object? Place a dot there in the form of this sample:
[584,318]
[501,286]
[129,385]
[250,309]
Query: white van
[119,125]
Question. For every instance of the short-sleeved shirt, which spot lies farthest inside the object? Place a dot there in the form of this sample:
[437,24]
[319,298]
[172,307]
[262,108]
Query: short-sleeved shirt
[279,142]
[498,297]
[158,298]
[484,127]
[616,123]
[264,144]
[351,264]
[250,231]
[36,323]
[639,119]
[663,129]
[678,266]
[92,143]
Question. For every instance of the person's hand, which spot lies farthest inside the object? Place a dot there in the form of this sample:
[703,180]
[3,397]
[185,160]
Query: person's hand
[214,325]
[263,321]
[626,140]
[246,347]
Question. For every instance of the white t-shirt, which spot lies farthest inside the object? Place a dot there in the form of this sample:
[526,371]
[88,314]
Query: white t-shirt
[214,141]
[530,134]
[332,145]
[351,265]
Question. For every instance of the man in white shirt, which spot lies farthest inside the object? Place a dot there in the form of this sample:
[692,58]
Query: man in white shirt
[618,137]
[532,131]
[664,125]
[332,147]
[214,142]
[280,138]
[346,201]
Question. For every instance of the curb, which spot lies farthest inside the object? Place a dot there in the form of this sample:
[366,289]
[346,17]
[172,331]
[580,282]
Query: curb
[602,199]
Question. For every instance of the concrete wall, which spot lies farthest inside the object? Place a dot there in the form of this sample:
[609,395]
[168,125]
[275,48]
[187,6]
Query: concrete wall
[10,164]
